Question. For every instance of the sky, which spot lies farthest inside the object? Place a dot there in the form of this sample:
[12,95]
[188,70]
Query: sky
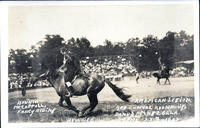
[27,25]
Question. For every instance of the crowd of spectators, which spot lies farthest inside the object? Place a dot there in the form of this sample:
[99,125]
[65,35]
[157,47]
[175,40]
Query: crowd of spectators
[181,72]
[15,81]
[108,65]
[112,67]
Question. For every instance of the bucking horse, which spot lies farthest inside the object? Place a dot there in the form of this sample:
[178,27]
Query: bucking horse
[89,85]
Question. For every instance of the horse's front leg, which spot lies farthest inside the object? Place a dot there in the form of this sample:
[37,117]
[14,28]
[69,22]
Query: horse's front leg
[70,106]
[168,81]
[158,81]
[60,103]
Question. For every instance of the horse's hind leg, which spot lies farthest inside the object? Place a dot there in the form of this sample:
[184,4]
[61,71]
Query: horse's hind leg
[70,106]
[168,81]
[93,102]
[137,79]
[165,81]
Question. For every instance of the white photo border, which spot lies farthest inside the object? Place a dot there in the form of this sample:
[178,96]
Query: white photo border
[4,65]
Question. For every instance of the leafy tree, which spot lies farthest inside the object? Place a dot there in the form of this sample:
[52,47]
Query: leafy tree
[131,45]
[166,50]
[184,49]
[104,50]
[150,53]
[99,50]
[81,47]
[132,50]
[119,49]
[19,61]
[49,53]
[144,53]
[11,61]
[108,48]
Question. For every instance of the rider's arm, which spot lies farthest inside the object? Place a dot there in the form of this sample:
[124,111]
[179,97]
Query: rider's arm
[64,60]
[63,66]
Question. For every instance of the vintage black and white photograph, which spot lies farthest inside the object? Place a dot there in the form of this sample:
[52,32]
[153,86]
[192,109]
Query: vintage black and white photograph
[82,63]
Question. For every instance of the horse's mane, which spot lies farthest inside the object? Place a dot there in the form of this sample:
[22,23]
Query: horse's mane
[53,74]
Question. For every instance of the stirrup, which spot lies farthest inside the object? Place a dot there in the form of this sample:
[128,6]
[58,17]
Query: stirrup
[69,95]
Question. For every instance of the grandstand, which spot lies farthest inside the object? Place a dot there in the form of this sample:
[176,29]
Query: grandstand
[114,68]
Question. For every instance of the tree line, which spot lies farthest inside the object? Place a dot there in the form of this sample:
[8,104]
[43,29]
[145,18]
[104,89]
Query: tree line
[143,53]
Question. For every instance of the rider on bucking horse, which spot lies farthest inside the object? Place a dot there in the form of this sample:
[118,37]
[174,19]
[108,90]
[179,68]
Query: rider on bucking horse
[73,70]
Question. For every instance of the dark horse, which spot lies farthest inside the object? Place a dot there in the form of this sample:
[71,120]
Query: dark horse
[82,85]
[164,74]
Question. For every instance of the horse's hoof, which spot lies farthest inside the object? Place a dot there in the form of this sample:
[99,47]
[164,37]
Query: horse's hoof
[77,112]
[80,114]
[60,104]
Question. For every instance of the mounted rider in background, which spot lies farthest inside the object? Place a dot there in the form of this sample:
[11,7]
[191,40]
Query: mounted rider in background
[162,67]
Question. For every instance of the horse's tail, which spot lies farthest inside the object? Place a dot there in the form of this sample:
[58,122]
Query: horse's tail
[118,91]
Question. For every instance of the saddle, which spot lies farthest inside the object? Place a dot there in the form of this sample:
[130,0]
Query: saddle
[164,73]
[70,88]
[85,76]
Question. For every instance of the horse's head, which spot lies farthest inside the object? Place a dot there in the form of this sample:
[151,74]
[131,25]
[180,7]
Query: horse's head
[34,78]
[155,74]
[38,76]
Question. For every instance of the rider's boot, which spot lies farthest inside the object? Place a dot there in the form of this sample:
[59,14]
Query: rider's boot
[70,89]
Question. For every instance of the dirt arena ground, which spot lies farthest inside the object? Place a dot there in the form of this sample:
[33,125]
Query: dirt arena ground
[110,107]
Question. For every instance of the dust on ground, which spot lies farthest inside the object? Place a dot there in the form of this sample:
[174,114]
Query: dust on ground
[110,107]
